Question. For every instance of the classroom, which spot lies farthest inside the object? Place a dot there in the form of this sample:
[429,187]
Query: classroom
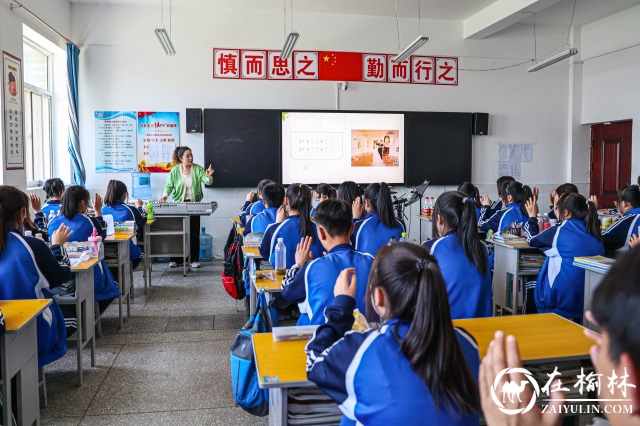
[307,212]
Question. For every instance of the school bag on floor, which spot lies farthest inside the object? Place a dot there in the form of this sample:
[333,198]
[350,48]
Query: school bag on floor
[244,376]
[233,266]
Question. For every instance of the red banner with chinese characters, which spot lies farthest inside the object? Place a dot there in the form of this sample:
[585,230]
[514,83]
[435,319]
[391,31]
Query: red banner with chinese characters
[249,64]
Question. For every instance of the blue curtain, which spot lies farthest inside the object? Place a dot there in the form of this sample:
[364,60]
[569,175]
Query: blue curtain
[73,144]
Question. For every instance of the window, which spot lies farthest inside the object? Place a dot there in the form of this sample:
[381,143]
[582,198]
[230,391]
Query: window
[37,112]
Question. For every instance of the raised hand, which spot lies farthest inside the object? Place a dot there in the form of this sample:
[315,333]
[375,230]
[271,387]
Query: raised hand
[250,195]
[634,240]
[36,205]
[303,251]
[594,200]
[346,283]
[97,205]
[532,207]
[552,196]
[356,208]
[61,235]
[139,203]
[486,201]
[209,171]
[536,193]
[281,215]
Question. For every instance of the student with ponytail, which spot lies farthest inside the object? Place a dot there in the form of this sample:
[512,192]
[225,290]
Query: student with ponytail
[471,191]
[514,195]
[560,285]
[30,270]
[462,257]
[554,197]
[418,368]
[115,204]
[350,192]
[617,236]
[293,222]
[53,188]
[380,224]
[75,203]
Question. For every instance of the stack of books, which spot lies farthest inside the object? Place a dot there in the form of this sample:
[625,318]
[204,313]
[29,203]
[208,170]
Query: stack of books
[512,240]
[600,263]
[531,263]
[310,406]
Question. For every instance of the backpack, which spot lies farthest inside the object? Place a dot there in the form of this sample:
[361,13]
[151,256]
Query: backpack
[244,375]
[233,266]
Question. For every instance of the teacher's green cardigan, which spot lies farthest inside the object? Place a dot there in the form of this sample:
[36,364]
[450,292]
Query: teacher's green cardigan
[175,188]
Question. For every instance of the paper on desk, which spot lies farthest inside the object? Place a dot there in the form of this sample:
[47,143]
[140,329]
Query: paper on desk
[503,152]
[267,276]
[77,260]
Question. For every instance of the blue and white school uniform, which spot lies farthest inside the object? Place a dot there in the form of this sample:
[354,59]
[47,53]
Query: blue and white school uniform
[82,226]
[121,213]
[616,237]
[312,285]
[501,219]
[51,206]
[29,269]
[261,221]
[469,292]
[370,234]
[289,231]
[560,285]
[370,378]
[250,209]
[489,211]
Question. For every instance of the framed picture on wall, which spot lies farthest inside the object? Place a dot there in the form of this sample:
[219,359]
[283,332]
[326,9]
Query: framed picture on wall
[13,112]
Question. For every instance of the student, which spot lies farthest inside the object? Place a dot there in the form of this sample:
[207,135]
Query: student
[417,369]
[514,196]
[380,224]
[272,196]
[490,208]
[616,237]
[251,208]
[614,354]
[350,192]
[53,188]
[554,196]
[114,201]
[471,191]
[39,224]
[324,191]
[298,224]
[74,204]
[30,269]
[462,257]
[310,281]
[560,285]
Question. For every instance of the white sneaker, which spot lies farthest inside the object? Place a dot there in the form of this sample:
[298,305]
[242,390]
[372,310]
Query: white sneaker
[173,265]
[195,265]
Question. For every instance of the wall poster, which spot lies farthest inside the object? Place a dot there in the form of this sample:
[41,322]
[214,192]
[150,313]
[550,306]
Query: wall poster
[158,136]
[115,141]
[13,114]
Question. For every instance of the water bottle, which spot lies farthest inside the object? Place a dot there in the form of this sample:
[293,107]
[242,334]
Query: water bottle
[149,210]
[206,246]
[281,258]
[404,238]
[425,206]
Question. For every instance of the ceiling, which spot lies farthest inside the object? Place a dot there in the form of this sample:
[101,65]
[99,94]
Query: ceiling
[557,14]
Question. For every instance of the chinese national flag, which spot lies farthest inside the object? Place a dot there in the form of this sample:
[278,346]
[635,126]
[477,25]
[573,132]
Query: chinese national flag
[340,66]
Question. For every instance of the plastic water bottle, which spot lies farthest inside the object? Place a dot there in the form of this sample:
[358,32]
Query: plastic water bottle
[404,238]
[425,206]
[206,246]
[149,210]
[281,258]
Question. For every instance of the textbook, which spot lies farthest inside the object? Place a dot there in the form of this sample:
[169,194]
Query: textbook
[597,262]
[284,334]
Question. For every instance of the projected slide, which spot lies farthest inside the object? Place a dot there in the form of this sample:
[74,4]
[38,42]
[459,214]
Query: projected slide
[334,147]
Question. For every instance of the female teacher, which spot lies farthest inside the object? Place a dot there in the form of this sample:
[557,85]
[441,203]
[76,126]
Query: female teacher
[184,184]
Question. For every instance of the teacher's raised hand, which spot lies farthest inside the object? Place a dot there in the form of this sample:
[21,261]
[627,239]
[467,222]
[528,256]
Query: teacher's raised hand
[210,171]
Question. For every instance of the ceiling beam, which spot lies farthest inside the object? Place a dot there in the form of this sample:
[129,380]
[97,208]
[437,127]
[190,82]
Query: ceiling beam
[500,15]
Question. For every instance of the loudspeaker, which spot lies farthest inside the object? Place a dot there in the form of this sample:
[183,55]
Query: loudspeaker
[480,124]
[194,120]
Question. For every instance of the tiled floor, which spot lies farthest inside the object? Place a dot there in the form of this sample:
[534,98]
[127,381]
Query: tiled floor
[168,365]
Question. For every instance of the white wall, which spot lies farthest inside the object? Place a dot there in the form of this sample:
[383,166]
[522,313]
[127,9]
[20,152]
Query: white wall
[611,83]
[122,67]
[55,12]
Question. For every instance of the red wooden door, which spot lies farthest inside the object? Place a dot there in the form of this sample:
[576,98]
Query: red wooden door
[610,160]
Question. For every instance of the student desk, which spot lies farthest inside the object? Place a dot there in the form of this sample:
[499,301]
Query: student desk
[236,221]
[592,279]
[123,263]
[240,231]
[19,358]
[251,252]
[167,236]
[263,285]
[84,303]
[507,270]
[146,265]
[542,338]
[427,219]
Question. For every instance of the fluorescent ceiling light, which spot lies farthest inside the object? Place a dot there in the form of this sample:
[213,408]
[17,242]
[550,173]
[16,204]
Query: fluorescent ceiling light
[165,41]
[552,60]
[289,44]
[415,45]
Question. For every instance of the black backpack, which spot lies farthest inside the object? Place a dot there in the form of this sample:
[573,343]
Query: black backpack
[233,266]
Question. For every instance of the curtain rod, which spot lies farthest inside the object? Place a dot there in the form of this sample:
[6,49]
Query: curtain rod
[19,5]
